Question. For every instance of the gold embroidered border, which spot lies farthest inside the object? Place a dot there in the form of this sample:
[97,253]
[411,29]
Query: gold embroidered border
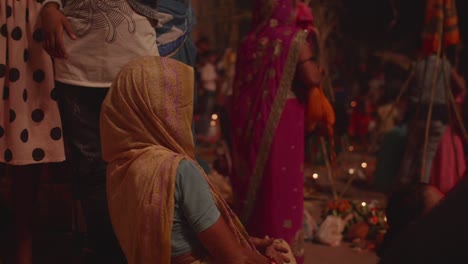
[272,124]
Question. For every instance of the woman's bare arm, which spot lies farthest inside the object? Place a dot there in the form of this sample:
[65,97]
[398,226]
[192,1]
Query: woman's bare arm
[308,70]
[224,247]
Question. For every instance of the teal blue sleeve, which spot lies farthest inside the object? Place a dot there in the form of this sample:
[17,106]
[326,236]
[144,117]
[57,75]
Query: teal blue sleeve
[194,197]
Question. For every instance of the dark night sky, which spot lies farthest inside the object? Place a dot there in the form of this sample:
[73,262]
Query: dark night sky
[366,22]
[368,19]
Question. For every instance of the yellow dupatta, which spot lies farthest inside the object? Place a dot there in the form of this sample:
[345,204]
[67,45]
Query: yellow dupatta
[145,133]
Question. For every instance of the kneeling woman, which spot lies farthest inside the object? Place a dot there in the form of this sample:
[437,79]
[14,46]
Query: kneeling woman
[163,208]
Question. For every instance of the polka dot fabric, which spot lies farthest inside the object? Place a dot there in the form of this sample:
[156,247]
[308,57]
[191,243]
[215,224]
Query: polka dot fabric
[30,128]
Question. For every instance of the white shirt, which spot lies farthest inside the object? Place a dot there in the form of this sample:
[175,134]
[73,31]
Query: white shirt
[110,34]
[423,81]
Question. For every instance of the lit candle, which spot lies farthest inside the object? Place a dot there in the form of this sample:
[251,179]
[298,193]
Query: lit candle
[214,116]
[351,171]
[364,165]
[315,176]
[364,204]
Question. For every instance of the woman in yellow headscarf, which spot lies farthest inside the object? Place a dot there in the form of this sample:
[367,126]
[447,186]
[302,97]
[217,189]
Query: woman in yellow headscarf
[162,206]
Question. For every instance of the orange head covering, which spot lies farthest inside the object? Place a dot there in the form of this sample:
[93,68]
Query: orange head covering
[145,133]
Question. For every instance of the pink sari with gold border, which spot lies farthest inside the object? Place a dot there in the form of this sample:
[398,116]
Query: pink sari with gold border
[268,126]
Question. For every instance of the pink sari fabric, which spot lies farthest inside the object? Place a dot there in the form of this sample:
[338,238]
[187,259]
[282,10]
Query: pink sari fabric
[305,18]
[268,126]
[449,156]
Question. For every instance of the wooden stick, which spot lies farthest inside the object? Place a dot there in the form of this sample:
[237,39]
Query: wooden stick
[348,184]
[329,168]
[431,104]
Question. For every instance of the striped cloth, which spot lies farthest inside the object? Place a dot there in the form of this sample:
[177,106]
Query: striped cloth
[440,26]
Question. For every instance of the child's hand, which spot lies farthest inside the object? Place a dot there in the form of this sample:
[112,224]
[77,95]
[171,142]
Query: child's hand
[54,23]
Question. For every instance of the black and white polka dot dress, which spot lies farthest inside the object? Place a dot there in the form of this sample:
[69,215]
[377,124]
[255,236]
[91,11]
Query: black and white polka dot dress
[30,127]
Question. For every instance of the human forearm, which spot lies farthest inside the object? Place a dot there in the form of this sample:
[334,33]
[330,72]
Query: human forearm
[224,248]
[308,69]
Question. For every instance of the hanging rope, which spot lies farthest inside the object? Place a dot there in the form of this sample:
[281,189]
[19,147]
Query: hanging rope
[330,173]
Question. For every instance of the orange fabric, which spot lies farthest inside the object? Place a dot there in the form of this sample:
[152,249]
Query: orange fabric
[319,110]
[145,132]
[441,21]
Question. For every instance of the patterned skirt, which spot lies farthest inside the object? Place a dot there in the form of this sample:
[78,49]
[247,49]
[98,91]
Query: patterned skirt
[30,127]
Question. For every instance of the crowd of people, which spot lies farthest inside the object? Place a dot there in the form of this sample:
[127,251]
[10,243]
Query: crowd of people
[421,157]
[122,93]
[118,77]
[427,138]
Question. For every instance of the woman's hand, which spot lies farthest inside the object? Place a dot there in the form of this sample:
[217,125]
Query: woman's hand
[54,23]
[270,249]
[262,243]
[223,246]
[277,252]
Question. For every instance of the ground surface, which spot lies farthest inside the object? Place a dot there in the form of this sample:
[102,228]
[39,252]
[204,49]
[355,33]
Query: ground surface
[55,242]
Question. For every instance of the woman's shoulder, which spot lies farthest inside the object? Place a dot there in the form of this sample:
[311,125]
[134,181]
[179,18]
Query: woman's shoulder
[186,163]
[187,167]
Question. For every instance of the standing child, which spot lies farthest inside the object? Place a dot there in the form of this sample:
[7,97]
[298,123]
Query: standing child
[30,128]
[90,42]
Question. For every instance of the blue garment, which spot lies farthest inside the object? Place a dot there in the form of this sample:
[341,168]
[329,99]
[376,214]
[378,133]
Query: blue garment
[146,8]
[176,21]
[195,209]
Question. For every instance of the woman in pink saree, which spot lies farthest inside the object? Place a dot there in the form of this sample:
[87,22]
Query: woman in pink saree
[268,122]
[449,163]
